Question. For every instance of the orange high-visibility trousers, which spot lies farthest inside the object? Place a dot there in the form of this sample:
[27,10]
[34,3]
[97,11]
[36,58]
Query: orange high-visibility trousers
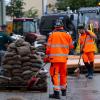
[56,69]
[88,56]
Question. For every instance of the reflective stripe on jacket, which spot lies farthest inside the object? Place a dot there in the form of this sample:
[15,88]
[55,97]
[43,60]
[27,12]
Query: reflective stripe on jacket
[87,43]
[58,46]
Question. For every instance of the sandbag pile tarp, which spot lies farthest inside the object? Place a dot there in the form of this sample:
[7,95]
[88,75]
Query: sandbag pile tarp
[20,63]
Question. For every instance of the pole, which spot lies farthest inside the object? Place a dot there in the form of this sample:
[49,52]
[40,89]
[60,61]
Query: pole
[2,12]
[42,7]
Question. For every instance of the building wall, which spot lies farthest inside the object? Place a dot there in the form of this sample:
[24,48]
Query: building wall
[37,4]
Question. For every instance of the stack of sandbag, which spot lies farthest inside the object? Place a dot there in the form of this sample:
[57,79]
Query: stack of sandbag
[20,63]
[40,44]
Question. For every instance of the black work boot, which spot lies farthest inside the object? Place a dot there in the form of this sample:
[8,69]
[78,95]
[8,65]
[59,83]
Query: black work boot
[92,68]
[63,92]
[91,71]
[87,65]
[55,95]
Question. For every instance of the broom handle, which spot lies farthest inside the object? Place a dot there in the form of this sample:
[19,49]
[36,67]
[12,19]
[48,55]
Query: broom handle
[82,49]
[39,70]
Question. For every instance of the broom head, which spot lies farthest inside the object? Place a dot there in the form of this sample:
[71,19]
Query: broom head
[77,72]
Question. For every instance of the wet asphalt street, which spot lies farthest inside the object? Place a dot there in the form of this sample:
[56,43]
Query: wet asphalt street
[78,89]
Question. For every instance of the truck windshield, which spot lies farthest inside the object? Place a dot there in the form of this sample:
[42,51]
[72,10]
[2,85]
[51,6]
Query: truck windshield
[90,18]
[29,26]
[22,27]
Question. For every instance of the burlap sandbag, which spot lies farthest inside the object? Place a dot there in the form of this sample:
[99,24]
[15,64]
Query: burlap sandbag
[27,76]
[27,64]
[6,59]
[19,42]
[37,65]
[9,54]
[16,57]
[23,50]
[16,66]
[17,74]
[39,61]
[3,81]
[25,58]
[35,56]
[26,68]
[12,46]
[11,50]
[7,66]
[35,69]
[26,44]
[12,62]
[27,72]
[16,80]
[18,70]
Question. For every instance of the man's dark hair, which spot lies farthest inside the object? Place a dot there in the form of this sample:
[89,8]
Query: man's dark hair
[81,26]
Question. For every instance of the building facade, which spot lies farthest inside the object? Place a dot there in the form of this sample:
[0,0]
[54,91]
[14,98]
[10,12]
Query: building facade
[40,5]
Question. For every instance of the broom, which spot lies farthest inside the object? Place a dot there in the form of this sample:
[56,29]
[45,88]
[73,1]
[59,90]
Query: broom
[34,79]
[77,70]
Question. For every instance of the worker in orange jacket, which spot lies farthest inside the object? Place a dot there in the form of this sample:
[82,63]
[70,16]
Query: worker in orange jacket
[87,49]
[58,46]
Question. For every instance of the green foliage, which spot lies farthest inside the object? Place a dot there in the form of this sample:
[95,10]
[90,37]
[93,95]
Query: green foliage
[75,4]
[15,8]
[31,13]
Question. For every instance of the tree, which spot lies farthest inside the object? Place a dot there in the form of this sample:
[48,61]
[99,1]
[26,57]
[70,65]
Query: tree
[31,13]
[75,4]
[15,7]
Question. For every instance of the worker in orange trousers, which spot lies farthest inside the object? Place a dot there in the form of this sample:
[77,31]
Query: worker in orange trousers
[58,47]
[87,49]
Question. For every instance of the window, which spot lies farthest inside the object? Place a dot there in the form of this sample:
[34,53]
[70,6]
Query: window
[29,26]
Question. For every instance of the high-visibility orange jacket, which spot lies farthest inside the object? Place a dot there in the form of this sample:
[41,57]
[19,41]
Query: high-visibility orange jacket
[58,45]
[87,41]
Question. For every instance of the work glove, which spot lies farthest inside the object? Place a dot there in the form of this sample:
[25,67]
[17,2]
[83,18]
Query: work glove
[81,52]
[46,59]
[87,33]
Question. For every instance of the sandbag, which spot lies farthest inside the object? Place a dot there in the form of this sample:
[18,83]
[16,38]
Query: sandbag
[9,54]
[26,68]
[7,66]
[24,59]
[12,46]
[39,61]
[36,65]
[26,44]
[27,72]
[12,62]
[23,50]
[26,64]
[19,42]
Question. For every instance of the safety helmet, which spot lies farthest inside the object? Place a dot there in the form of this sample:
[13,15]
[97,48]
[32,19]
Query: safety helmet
[58,23]
[81,26]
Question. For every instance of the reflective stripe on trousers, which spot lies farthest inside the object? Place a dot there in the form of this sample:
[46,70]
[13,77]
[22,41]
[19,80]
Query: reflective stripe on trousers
[55,70]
